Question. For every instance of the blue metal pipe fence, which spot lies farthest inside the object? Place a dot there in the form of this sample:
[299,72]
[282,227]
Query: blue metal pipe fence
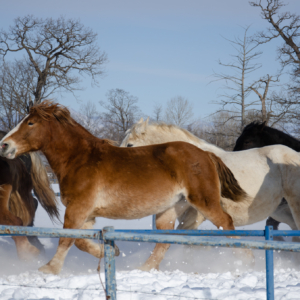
[186,237]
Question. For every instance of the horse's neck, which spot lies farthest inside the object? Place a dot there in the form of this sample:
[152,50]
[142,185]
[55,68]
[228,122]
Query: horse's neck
[288,141]
[209,147]
[180,135]
[66,144]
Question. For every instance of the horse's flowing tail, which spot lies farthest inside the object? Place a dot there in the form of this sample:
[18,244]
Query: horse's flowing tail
[42,188]
[230,188]
[16,207]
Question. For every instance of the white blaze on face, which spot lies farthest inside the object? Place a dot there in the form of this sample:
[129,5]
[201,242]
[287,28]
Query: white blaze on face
[14,130]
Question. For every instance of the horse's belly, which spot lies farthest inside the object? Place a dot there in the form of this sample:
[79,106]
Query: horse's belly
[113,206]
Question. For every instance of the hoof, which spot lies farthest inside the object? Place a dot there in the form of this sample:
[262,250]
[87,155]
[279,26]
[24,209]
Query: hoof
[48,269]
[148,268]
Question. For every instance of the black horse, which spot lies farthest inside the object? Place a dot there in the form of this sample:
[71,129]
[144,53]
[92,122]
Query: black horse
[256,135]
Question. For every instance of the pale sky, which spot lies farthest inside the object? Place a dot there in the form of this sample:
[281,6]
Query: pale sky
[157,49]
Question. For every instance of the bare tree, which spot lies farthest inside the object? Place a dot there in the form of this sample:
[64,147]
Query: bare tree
[274,107]
[217,131]
[89,118]
[284,25]
[158,112]
[263,83]
[239,102]
[121,113]
[222,129]
[179,111]
[56,50]
[236,81]
[16,82]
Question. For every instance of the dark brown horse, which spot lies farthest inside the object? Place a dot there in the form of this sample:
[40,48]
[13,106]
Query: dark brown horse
[98,179]
[18,177]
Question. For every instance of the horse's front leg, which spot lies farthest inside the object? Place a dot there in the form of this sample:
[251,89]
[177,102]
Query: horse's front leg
[166,221]
[75,216]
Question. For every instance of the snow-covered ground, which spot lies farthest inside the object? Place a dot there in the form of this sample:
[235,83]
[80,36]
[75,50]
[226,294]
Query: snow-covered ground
[186,272]
[138,285]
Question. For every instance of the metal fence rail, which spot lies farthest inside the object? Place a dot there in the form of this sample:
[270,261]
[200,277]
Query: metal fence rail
[185,237]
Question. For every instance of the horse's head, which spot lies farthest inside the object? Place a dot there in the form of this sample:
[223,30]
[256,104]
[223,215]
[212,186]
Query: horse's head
[251,137]
[24,137]
[136,135]
[142,133]
[34,131]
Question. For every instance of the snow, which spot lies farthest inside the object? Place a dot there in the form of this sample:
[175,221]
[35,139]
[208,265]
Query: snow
[185,273]
[161,285]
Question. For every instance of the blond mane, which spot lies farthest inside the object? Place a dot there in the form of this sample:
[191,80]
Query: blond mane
[170,127]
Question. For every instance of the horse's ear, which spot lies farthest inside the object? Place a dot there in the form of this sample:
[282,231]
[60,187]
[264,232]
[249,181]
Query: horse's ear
[147,122]
[262,125]
[141,126]
[30,104]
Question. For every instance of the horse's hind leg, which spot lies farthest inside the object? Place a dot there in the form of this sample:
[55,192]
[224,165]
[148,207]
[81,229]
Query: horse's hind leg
[89,246]
[165,220]
[24,249]
[208,204]
[190,219]
[33,240]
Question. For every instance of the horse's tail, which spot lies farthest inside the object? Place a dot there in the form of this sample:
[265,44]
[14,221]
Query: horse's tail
[230,188]
[42,188]
[16,207]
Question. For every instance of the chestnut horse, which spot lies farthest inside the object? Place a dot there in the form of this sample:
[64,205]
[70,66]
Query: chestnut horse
[99,179]
[18,177]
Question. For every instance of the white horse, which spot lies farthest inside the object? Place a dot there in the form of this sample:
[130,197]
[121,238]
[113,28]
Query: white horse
[267,175]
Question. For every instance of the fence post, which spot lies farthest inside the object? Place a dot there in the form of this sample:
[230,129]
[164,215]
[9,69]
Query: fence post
[269,265]
[154,222]
[110,269]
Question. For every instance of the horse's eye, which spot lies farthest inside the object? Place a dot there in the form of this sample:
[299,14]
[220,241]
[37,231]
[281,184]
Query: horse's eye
[30,123]
[129,145]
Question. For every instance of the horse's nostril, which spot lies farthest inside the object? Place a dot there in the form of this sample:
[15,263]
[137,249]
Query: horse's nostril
[4,146]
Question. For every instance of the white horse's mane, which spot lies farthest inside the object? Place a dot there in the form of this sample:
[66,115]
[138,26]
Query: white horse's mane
[173,129]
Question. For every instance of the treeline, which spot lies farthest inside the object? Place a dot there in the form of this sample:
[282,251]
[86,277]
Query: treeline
[57,52]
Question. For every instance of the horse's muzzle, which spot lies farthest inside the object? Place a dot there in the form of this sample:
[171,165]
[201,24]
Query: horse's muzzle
[7,151]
